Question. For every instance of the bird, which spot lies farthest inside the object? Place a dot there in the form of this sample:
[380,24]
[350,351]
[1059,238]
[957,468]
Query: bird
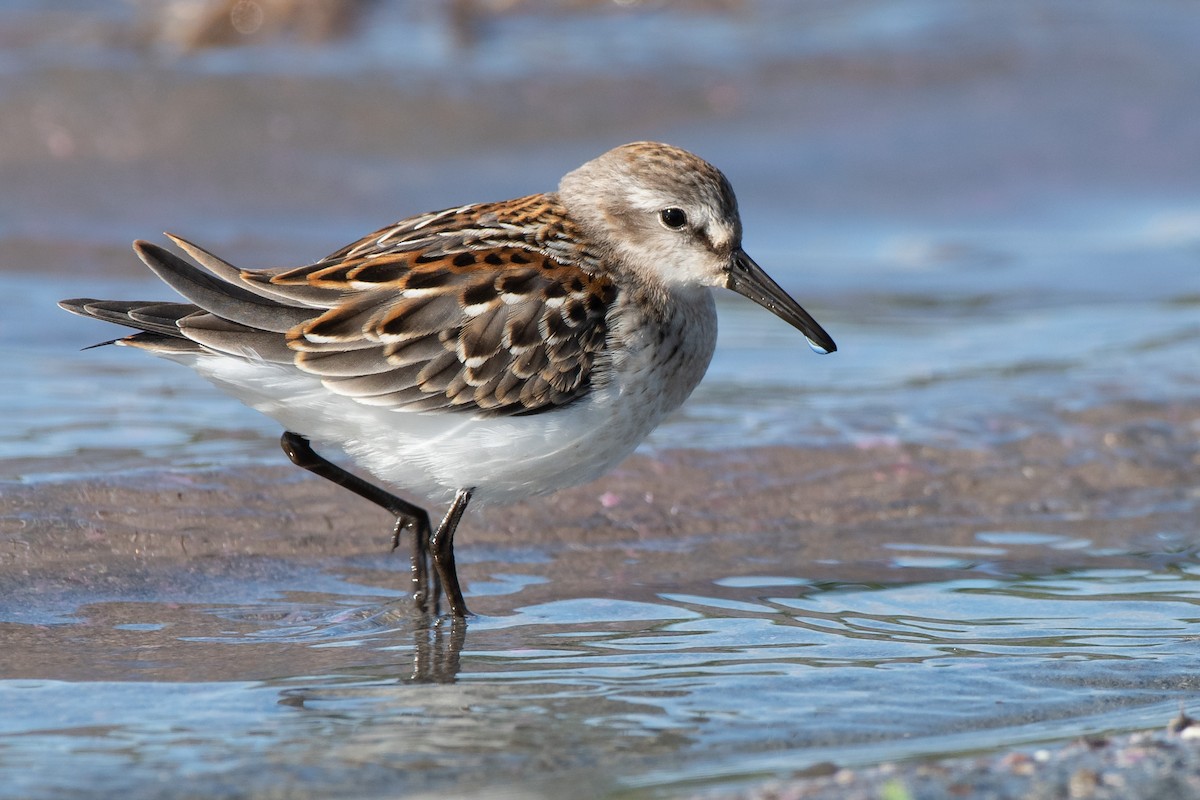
[492,352]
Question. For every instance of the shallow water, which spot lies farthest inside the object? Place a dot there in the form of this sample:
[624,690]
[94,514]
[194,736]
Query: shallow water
[329,689]
[980,529]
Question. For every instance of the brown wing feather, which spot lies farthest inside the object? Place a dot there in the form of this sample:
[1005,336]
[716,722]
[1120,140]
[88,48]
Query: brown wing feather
[501,330]
[492,307]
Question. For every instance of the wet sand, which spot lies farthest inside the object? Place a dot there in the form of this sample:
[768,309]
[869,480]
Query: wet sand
[1115,473]
[1117,477]
[168,547]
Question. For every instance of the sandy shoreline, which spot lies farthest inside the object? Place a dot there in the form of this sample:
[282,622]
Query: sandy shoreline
[1120,477]
[1116,473]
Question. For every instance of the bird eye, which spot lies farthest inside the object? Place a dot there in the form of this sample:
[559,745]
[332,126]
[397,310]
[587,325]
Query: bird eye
[673,218]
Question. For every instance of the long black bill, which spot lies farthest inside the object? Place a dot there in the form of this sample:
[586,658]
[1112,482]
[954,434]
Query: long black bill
[748,279]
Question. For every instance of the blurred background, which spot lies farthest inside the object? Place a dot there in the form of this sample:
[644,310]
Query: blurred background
[987,495]
[994,208]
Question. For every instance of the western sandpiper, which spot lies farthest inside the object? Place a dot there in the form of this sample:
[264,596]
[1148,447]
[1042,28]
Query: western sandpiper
[492,351]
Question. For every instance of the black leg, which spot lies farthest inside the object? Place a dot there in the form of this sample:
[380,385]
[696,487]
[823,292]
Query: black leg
[423,593]
[407,514]
[441,548]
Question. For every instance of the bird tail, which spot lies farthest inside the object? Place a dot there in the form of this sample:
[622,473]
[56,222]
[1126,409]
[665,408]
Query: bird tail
[222,316]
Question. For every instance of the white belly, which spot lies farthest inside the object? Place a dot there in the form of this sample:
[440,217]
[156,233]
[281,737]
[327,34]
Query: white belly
[504,459]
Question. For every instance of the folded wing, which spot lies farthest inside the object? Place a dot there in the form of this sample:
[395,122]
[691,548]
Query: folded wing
[429,315]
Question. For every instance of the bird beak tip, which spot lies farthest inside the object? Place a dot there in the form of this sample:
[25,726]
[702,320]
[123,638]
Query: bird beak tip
[749,280]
